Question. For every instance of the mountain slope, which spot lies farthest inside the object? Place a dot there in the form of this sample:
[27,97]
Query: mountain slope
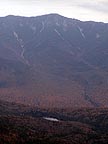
[58,62]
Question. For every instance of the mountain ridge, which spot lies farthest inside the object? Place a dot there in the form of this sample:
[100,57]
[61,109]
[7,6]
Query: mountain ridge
[53,14]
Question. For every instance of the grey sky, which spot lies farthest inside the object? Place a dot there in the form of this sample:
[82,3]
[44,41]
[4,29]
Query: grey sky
[96,10]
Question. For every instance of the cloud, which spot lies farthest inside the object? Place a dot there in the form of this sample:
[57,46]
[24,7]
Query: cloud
[98,5]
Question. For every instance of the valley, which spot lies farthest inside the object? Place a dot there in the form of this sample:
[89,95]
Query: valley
[25,124]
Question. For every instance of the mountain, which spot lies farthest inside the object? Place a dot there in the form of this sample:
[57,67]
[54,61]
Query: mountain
[53,61]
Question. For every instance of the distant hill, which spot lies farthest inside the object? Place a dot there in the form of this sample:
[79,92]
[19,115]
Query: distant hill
[53,61]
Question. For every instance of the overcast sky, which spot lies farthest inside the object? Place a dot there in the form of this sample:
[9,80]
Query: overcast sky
[96,10]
